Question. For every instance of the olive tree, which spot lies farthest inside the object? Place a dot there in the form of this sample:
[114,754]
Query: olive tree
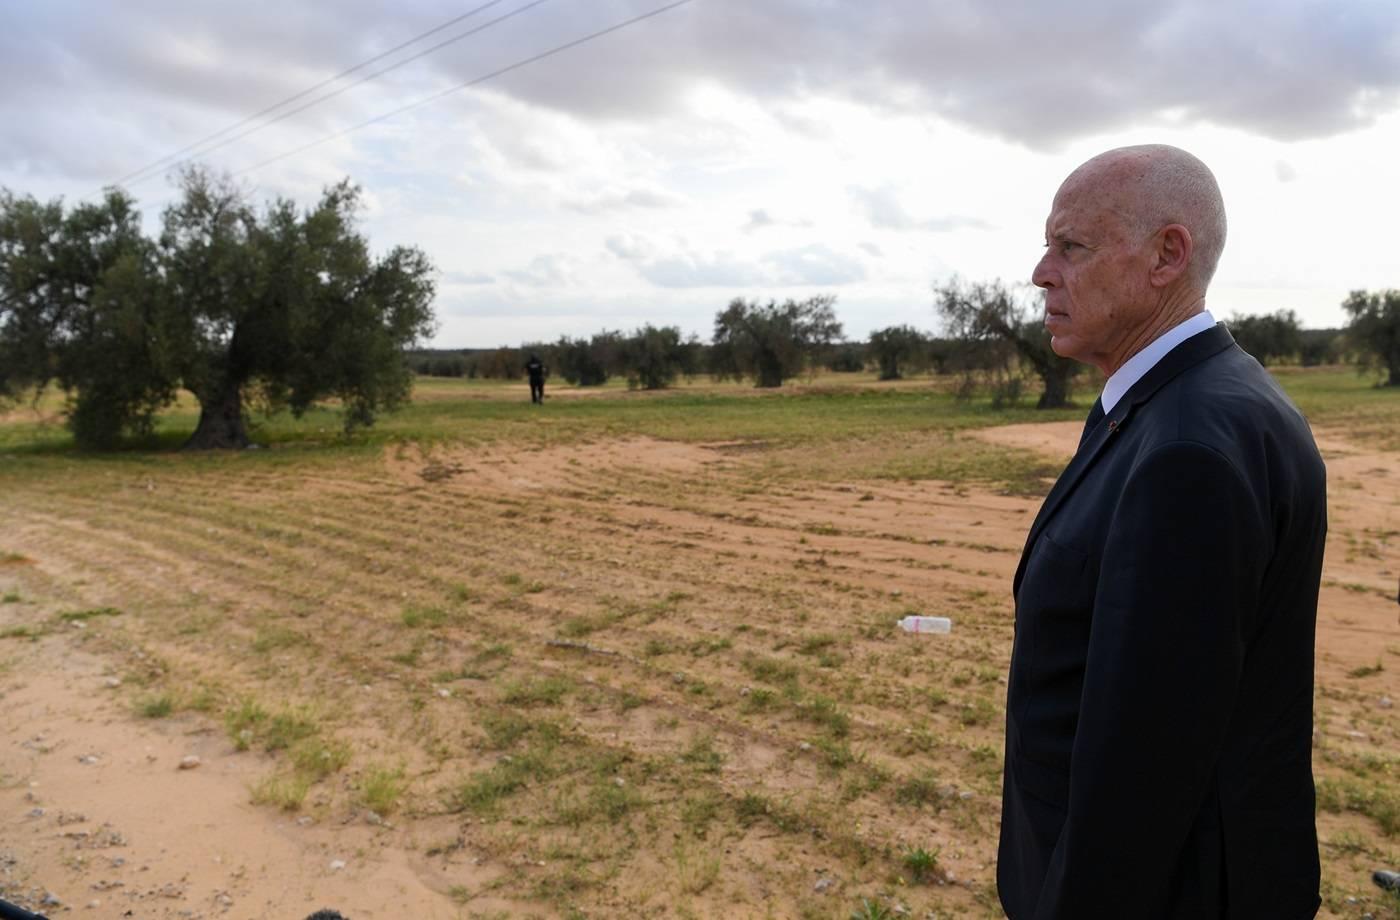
[772,342]
[990,313]
[1374,330]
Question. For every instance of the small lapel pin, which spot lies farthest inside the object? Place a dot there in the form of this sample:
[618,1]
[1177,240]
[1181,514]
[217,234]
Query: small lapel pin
[1112,425]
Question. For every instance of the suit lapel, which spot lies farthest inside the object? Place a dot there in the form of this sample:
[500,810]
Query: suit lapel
[1184,356]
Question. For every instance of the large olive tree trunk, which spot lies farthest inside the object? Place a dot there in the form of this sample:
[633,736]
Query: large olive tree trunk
[221,424]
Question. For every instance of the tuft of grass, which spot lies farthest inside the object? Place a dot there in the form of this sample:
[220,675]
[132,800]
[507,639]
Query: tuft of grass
[20,632]
[1367,670]
[11,597]
[921,863]
[1380,804]
[771,670]
[546,691]
[155,707]
[271,638]
[979,711]
[430,617]
[871,910]
[319,759]
[283,792]
[381,788]
[703,755]
[823,711]
[917,790]
[78,616]
[251,723]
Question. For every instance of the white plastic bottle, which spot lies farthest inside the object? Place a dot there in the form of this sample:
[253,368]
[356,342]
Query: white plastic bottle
[916,624]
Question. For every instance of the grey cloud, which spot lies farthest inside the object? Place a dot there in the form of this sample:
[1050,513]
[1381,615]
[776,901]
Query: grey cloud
[884,210]
[543,271]
[628,247]
[1284,171]
[623,199]
[815,264]
[148,74]
[695,270]
[760,218]
[872,249]
[812,264]
[467,278]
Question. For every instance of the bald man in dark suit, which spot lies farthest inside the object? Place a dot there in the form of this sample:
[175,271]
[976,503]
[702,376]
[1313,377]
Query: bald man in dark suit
[1159,706]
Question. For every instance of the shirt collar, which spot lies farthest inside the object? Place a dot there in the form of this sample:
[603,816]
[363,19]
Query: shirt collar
[1117,386]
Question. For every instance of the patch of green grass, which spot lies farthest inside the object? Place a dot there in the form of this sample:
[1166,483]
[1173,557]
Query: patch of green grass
[318,759]
[271,638]
[545,691]
[483,791]
[155,707]
[872,910]
[1367,670]
[430,617]
[978,711]
[287,727]
[8,558]
[921,863]
[917,790]
[823,711]
[771,670]
[20,632]
[381,788]
[703,755]
[282,792]
[1379,803]
[79,616]
[11,597]
[250,723]
[759,699]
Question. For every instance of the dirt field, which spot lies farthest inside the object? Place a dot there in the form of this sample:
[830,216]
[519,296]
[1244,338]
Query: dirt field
[630,677]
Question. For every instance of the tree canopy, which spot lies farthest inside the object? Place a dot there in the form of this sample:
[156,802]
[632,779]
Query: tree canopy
[653,357]
[1269,337]
[1374,330]
[772,342]
[899,350]
[280,309]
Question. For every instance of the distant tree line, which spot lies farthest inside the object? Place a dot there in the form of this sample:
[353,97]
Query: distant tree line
[994,342]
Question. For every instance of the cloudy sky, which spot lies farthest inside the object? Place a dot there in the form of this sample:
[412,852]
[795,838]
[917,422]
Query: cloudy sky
[724,148]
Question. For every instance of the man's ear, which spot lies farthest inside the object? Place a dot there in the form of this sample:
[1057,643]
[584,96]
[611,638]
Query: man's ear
[1174,248]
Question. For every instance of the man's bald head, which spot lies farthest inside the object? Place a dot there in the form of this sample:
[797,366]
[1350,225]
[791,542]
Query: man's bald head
[1154,185]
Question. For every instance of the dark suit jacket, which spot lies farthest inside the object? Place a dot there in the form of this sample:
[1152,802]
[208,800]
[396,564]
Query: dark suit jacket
[1159,707]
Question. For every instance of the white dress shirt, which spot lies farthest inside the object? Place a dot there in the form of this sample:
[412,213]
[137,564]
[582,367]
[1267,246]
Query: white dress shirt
[1139,364]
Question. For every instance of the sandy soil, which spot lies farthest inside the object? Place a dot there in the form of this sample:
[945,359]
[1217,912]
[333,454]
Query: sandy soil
[95,811]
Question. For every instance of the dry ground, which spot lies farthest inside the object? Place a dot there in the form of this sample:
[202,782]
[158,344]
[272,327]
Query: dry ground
[624,678]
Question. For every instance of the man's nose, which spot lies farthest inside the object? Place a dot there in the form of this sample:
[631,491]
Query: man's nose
[1042,275]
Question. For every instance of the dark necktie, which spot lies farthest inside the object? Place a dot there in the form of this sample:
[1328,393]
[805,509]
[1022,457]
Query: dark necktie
[1092,422]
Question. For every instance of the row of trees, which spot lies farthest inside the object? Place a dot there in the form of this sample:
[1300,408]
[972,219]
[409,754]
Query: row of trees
[276,308]
[281,308]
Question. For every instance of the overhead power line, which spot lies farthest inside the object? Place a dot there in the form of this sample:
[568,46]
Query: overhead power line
[467,85]
[145,172]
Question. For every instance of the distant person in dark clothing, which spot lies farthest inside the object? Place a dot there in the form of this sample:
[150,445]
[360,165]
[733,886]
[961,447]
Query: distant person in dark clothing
[537,371]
